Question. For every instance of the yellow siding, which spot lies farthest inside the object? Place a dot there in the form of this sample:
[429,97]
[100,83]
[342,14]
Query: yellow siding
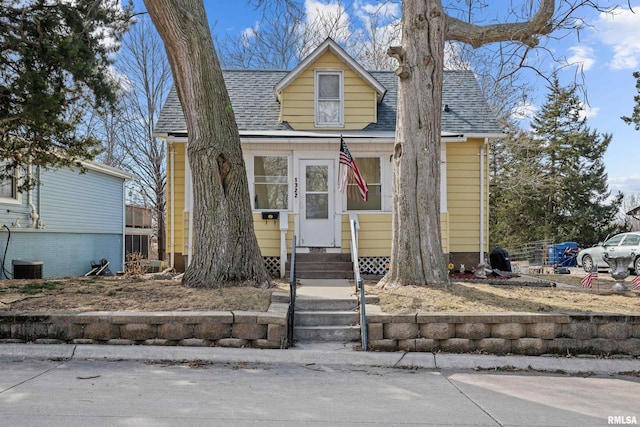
[297,100]
[374,234]
[463,195]
[179,223]
[268,235]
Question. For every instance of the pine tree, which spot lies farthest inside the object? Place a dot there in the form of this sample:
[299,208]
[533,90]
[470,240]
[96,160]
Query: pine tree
[559,185]
[54,63]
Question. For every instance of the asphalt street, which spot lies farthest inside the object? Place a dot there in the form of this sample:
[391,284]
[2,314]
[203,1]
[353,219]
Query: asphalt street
[242,391]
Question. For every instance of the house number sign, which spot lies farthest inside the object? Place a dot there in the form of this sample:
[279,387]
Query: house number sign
[295,188]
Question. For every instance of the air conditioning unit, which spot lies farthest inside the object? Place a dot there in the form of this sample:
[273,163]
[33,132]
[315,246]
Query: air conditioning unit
[27,269]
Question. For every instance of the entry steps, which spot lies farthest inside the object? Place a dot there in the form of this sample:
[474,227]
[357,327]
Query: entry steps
[326,313]
[322,266]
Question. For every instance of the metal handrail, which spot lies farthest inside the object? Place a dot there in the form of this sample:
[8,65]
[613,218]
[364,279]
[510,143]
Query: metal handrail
[292,294]
[359,284]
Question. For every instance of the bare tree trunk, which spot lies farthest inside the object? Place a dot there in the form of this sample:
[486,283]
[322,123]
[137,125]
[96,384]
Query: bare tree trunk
[225,249]
[416,252]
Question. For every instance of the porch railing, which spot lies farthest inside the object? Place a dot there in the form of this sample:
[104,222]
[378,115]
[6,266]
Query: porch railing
[292,294]
[359,281]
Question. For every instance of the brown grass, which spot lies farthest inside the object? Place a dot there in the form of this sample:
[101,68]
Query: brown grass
[125,294]
[138,294]
[567,296]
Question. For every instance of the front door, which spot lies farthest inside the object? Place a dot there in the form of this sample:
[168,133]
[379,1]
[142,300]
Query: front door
[316,210]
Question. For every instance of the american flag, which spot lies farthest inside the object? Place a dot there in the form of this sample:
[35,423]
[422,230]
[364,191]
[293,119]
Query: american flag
[586,280]
[635,283]
[346,163]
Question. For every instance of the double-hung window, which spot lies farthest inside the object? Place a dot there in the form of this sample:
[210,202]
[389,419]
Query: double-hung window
[271,182]
[329,97]
[8,187]
[369,168]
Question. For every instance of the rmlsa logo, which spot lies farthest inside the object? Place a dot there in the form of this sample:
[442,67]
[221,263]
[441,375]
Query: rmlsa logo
[622,419]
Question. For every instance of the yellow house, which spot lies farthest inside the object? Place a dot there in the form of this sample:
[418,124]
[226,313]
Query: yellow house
[291,123]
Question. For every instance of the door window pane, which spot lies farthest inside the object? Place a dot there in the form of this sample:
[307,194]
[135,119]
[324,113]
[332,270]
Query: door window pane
[317,206]
[317,178]
[271,182]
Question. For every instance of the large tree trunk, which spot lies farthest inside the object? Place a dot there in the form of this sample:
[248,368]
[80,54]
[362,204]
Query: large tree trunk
[225,249]
[416,252]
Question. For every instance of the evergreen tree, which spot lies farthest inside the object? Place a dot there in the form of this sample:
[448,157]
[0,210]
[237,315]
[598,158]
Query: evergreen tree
[635,116]
[558,185]
[54,63]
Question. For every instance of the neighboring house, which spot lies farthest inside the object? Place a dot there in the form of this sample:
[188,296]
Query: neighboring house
[138,232]
[290,125]
[67,222]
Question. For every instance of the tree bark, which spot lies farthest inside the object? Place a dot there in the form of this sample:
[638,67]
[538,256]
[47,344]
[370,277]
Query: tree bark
[416,253]
[225,249]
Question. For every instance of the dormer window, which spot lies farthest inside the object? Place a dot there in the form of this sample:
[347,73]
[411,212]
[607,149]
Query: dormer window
[329,97]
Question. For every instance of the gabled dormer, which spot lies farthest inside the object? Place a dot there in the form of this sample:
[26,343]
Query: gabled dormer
[329,90]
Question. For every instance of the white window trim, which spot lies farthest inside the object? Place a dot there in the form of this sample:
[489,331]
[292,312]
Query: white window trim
[328,71]
[252,178]
[13,200]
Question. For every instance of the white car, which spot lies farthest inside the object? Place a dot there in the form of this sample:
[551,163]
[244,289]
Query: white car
[619,245]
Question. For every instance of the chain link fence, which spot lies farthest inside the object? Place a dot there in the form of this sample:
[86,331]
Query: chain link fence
[531,257]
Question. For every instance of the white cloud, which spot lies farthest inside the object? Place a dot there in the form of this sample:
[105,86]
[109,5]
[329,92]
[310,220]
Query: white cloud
[524,111]
[628,185]
[389,11]
[588,112]
[327,19]
[582,56]
[621,31]
[250,33]
[380,21]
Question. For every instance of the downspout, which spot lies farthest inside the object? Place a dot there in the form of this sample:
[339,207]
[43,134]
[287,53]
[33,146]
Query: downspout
[173,210]
[40,224]
[189,198]
[124,225]
[34,212]
[482,197]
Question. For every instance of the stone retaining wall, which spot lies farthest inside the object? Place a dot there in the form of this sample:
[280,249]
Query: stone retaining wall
[497,333]
[517,333]
[225,329]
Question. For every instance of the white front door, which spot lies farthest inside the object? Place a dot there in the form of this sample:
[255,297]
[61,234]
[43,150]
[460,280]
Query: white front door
[316,204]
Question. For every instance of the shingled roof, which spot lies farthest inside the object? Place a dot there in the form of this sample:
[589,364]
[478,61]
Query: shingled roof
[257,109]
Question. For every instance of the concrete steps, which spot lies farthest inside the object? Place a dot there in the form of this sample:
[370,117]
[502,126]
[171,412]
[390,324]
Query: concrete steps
[326,311]
[323,266]
[326,319]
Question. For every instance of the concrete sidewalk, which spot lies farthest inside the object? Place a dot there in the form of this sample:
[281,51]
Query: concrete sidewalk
[331,354]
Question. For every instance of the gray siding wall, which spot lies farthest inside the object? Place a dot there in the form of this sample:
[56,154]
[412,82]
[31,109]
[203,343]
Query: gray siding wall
[62,254]
[81,203]
[83,216]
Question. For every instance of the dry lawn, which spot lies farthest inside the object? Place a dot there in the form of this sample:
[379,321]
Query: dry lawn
[124,294]
[567,296]
[139,294]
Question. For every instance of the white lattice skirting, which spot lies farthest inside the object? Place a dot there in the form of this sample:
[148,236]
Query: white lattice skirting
[368,265]
[272,263]
[373,264]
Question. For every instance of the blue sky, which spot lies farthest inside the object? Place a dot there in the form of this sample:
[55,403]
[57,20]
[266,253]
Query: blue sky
[607,51]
